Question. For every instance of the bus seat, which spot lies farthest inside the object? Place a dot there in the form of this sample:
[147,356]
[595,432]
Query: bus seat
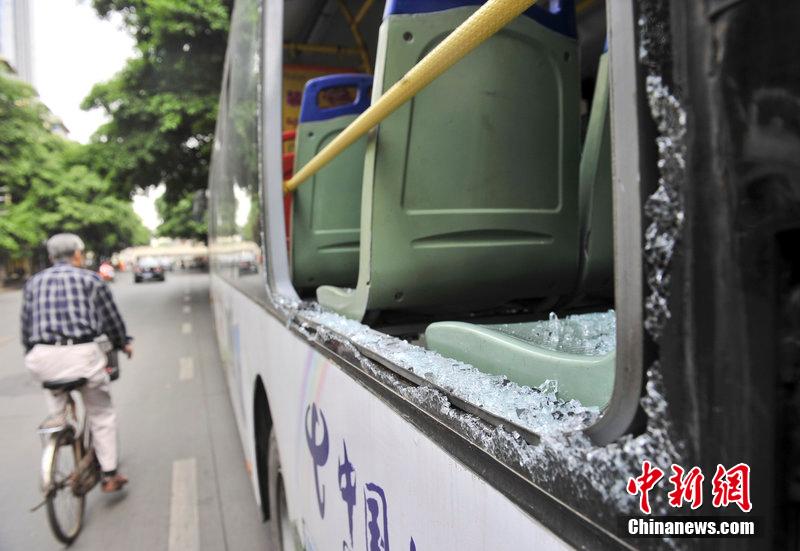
[470,194]
[597,262]
[326,210]
[586,378]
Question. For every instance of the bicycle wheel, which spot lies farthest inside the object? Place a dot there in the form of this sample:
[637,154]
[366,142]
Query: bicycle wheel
[64,505]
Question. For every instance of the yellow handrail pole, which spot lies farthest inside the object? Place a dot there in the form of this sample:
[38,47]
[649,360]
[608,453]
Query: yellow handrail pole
[488,20]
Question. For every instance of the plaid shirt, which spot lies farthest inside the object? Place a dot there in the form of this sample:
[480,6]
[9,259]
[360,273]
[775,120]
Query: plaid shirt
[64,302]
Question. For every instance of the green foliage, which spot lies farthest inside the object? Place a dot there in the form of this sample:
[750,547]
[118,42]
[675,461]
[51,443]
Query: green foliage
[180,219]
[50,186]
[19,230]
[81,202]
[163,104]
[27,148]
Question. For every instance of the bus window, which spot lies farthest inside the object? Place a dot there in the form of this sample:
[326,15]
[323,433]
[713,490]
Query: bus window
[327,61]
[485,228]
[482,203]
[237,245]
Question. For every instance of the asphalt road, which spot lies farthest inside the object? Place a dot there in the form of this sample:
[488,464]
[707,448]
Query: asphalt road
[179,444]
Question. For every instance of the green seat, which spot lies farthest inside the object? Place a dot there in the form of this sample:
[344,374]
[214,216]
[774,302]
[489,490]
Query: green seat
[326,210]
[597,262]
[518,352]
[521,351]
[470,195]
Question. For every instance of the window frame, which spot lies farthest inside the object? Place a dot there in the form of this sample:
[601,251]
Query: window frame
[279,282]
[628,155]
[221,162]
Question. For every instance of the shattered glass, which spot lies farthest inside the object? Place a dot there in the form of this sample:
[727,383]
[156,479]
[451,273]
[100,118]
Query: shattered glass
[535,409]
[593,334]
[664,207]
[564,453]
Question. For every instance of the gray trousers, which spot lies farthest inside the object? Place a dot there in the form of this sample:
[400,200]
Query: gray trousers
[46,362]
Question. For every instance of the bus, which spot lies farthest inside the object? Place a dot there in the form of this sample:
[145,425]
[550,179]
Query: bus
[549,299]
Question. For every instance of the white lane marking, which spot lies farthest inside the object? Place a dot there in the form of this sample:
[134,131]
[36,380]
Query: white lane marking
[186,328]
[184,533]
[186,298]
[186,371]
[187,309]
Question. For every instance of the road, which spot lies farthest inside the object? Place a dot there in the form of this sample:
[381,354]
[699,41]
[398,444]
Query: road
[179,444]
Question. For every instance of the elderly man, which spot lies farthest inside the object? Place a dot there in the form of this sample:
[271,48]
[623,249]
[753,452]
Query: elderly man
[65,309]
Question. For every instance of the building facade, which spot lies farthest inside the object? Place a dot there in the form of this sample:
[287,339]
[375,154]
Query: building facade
[15,37]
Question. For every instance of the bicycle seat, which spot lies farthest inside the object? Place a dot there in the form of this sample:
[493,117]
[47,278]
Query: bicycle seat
[65,385]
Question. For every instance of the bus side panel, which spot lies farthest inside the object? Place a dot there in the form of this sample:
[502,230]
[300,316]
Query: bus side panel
[228,305]
[356,472]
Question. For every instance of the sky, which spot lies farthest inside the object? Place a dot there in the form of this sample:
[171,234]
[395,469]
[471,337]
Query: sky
[72,50]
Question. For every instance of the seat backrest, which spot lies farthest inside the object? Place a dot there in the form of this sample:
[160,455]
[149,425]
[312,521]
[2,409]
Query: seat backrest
[597,263]
[326,210]
[471,189]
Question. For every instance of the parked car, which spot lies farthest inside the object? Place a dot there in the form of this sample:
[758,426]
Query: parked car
[148,269]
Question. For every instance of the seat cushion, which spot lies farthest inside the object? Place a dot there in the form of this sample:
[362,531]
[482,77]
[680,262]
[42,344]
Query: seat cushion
[65,385]
[577,353]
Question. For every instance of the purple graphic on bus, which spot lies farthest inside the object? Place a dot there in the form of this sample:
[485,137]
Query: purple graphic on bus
[347,485]
[376,518]
[319,452]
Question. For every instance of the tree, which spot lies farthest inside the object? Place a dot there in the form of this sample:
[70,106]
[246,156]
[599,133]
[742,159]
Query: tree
[51,189]
[163,104]
[28,149]
[81,202]
[19,232]
[180,220]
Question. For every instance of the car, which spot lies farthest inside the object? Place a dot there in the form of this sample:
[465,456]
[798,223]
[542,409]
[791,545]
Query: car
[148,269]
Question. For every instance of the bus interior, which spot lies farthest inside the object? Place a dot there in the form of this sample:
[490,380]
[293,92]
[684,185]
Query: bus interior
[477,220]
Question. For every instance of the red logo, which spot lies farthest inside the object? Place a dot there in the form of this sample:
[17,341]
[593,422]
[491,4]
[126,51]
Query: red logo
[643,484]
[732,486]
[686,487]
[729,486]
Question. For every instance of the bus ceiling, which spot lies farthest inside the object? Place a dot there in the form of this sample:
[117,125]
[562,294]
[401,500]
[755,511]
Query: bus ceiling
[344,33]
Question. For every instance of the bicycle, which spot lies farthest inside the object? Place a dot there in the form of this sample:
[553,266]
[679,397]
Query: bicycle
[69,466]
